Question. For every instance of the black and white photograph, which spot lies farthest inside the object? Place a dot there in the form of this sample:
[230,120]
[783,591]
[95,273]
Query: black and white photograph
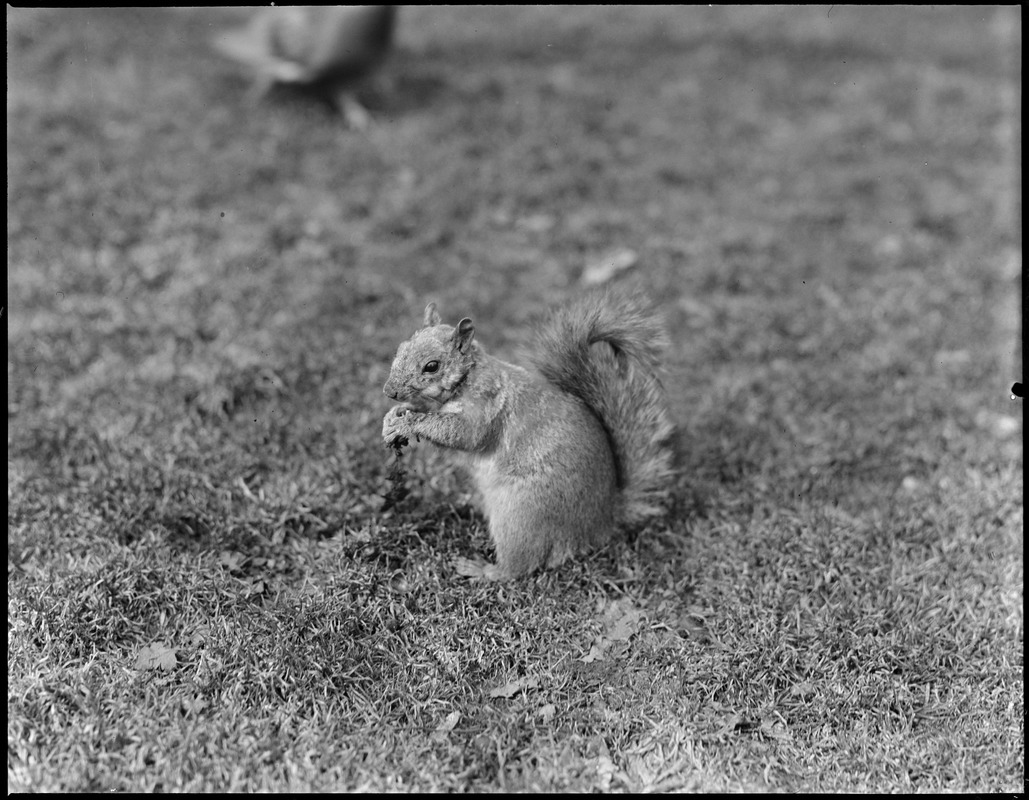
[482,399]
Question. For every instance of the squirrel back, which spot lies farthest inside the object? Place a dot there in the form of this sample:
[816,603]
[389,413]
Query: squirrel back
[605,348]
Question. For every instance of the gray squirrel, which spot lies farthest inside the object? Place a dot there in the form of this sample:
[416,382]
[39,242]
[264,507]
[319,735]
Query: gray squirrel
[564,453]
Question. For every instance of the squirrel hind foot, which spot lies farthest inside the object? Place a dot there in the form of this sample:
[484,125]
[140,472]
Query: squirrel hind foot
[476,569]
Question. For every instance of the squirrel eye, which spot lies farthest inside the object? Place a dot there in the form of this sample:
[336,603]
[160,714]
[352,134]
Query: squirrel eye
[431,366]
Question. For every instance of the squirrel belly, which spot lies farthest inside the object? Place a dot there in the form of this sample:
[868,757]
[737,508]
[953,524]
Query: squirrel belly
[549,488]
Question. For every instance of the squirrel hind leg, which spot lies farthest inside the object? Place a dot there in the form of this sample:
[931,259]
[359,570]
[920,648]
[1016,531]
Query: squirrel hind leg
[521,552]
[559,554]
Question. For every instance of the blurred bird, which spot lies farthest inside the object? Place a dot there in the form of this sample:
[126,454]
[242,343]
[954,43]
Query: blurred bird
[327,49]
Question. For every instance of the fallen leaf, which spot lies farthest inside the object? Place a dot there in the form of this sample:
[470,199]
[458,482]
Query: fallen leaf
[156,656]
[775,729]
[596,653]
[256,587]
[605,268]
[910,484]
[693,626]
[231,560]
[732,723]
[605,769]
[193,706]
[625,626]
[514,687]
[449,721]
[802,690]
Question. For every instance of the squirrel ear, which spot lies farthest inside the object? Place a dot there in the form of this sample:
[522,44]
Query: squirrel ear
[463,334]
[431,316]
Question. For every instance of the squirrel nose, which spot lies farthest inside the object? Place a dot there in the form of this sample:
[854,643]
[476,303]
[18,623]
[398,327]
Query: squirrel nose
[390,392]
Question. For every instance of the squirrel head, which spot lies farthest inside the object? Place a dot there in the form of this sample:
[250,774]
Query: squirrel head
[430,367]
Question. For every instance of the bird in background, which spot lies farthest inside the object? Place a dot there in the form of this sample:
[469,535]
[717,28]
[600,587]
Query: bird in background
[328,49]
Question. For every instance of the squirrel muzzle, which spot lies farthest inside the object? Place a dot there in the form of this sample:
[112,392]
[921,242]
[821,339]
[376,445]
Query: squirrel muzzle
[410,400]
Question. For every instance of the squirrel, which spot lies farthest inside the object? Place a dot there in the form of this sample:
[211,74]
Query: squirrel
[563,454]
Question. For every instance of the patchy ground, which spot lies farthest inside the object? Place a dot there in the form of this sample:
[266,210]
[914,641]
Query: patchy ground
[203,590]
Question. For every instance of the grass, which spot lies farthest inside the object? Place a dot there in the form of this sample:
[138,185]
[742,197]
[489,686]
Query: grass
[203,590]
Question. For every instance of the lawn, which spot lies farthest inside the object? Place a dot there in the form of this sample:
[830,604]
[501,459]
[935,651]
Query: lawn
[205,590]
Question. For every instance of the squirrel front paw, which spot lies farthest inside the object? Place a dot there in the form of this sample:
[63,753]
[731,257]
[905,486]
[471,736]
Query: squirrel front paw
[396,425]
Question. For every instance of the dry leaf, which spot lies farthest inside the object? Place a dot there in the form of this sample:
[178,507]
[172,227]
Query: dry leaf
[606,771]
[803,690]
[449,721]
[514,687]
[596,653]
[625,626]
[604,269]
[446,726]
[193,706]
[231,560]
[156,656]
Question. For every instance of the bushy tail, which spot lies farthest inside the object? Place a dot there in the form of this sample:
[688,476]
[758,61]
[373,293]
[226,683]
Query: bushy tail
[604,348]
